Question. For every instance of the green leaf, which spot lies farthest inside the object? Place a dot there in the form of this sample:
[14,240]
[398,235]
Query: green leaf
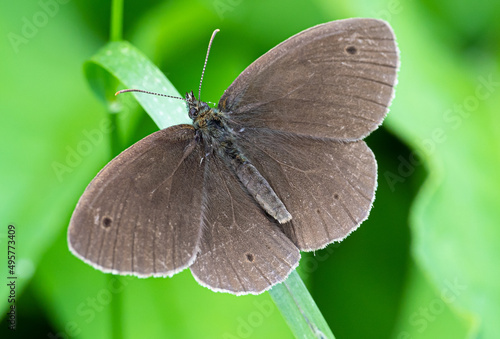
[134,70]
[425,314]
[299,309]
[455,217]
[447,110]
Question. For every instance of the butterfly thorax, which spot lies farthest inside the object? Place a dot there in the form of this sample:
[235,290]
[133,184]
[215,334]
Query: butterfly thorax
[220,140]
[212,129]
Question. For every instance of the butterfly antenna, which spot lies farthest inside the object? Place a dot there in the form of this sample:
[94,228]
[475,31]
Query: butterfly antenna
[206,59]
[148,92]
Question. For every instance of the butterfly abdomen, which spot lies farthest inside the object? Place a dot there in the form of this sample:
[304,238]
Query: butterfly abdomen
[255,184]
[261,191]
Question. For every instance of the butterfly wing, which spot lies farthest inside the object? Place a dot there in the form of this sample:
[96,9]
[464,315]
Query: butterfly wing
[333,80]
[328,186]
[141,214]
[242,250]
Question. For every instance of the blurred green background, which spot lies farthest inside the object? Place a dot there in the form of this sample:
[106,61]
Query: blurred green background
[425,265]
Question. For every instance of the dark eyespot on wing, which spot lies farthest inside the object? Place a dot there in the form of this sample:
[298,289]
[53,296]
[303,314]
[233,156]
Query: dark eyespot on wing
[351,49]
[106,222]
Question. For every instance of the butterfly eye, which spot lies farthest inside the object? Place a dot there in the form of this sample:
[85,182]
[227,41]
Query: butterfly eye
[193,112]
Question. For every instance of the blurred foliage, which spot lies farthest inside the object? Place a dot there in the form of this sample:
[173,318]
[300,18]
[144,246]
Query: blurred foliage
[425,264]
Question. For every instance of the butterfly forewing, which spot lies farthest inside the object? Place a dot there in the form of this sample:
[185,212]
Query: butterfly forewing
[242,250]
[333,80]
[141,213]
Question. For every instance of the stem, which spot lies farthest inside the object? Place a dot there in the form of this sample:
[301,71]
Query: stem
[299,309]
[116,310]
[116,34]
[116,29]
[114,138]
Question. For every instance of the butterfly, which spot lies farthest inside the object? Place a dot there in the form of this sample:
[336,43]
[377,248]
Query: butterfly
[277,168]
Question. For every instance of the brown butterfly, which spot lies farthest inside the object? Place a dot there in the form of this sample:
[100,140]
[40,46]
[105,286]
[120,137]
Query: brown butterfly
[278,167]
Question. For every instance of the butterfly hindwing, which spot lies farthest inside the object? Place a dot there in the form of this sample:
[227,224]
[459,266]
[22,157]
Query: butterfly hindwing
[328,186]
[242,250]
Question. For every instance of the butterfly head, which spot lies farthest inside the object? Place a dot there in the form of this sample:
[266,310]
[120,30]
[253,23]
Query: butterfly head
[195,107]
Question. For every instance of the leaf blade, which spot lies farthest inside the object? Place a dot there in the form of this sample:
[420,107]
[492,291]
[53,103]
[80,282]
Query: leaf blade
[133,69]
[299,309]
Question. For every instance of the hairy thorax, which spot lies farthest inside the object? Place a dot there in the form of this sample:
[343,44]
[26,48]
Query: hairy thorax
[220,140]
